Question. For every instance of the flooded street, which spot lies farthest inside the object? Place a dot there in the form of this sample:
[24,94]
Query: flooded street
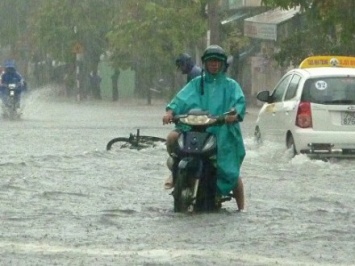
[65,200]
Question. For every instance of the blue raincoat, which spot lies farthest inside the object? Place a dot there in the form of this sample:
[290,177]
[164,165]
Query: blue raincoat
[11,77]
[193,73]
[220,95]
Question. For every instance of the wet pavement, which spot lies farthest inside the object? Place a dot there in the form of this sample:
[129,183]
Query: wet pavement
[65,200]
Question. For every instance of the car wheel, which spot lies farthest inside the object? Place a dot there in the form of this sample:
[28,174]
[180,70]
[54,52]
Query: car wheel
[290,144]
[257,136]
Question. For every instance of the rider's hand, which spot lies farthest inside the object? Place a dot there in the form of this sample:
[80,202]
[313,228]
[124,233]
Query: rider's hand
[231,117]
[168,117]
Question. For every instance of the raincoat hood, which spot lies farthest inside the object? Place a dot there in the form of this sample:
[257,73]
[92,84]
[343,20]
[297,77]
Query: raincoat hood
[10,64]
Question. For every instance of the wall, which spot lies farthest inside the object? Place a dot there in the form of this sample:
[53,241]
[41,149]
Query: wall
[265,71]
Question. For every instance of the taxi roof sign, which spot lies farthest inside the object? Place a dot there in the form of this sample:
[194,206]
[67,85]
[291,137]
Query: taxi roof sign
[328,61]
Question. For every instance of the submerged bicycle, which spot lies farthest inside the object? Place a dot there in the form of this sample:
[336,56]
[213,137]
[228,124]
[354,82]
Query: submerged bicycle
[135,141]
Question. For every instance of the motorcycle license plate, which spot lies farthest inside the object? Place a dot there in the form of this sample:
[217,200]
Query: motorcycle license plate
[348,118]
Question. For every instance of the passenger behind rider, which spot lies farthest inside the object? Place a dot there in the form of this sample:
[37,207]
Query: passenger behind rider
[187,66]
[213,91]
[8,76]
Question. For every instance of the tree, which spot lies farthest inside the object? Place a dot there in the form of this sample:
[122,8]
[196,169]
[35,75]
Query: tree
[13,14]
[14,30]
[59,25]
[328,28]
[143,35]
[148,35]
[62,29]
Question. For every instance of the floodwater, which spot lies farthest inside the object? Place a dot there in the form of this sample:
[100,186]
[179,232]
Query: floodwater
[65,200]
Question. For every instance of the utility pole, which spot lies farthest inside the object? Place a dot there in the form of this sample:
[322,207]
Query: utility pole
[213,36]
[78,50]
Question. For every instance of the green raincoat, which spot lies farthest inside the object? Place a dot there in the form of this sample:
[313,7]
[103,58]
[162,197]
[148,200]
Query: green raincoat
[220,95]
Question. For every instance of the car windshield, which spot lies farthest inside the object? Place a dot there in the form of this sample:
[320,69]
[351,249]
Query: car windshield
[330,90]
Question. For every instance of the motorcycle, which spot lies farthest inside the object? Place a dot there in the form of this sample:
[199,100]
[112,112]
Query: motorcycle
[193,163]
[11,101]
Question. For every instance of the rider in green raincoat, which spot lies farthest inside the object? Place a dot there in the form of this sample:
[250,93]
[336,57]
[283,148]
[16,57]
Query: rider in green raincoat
[216,93]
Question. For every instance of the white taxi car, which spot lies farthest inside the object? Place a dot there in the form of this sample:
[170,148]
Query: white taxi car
[312,108]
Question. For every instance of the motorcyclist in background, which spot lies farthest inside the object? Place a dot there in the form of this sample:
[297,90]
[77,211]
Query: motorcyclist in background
[187,66]
[8,76]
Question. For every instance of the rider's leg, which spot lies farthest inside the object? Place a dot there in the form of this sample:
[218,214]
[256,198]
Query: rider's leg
[170,142]
[238,193]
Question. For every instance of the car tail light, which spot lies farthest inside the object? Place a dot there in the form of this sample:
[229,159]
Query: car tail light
[304,115]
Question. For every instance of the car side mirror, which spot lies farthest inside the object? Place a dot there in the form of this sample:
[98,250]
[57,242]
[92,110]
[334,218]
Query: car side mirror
[264,96]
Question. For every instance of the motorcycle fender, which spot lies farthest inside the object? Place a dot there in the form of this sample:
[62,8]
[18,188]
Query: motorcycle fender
[184,163]
[188,162]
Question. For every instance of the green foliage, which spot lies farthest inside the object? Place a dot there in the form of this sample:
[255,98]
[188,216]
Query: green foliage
[60,25]
[145,35]
[147,32]
[328,29]
[148,35]
[13,21]
[233,40]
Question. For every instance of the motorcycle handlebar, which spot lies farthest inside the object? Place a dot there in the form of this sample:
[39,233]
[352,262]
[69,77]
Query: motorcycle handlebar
[230,112]
[7,85]
[220,120]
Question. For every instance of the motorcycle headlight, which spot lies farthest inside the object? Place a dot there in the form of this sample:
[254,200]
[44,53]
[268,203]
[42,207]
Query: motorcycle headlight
[12,93]
[210,143]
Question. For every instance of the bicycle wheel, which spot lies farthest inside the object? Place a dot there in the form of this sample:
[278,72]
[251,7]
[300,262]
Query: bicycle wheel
[148,140]
[151,138]
[142,142]
[119,142]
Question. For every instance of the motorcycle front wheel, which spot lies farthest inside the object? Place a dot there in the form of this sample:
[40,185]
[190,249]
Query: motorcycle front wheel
[12,114]
[182,193]
[10,110]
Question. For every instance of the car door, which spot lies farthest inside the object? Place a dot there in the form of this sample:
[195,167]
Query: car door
[269,123]
[288,109]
